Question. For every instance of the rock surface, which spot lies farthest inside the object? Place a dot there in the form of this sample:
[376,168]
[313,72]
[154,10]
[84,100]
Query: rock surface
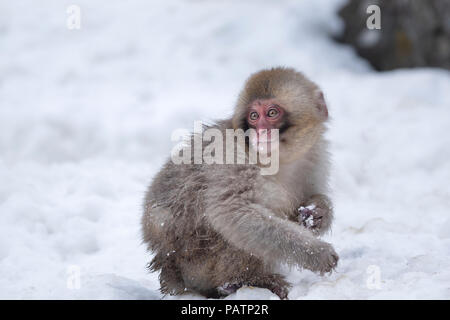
[413,33]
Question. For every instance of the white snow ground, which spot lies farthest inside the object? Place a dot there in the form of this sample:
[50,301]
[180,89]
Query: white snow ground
[86,117]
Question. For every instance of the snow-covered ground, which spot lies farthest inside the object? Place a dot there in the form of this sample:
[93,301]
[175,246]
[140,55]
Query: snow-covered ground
[86,117]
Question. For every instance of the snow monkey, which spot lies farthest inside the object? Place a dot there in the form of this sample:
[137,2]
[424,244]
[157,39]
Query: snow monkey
[214,228]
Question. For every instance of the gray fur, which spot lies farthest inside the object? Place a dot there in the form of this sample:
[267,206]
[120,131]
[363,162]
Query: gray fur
[210,225]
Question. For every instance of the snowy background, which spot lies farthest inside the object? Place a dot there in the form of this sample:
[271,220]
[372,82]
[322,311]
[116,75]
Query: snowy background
[86,117]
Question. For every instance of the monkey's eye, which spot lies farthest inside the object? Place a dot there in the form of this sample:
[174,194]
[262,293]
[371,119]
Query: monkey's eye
[272,112]
[253,115]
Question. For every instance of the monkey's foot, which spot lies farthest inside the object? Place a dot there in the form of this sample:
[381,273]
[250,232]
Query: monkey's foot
[280,291]
[228,288]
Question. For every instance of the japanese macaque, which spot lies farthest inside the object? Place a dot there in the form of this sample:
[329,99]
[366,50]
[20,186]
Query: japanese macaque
[217,227]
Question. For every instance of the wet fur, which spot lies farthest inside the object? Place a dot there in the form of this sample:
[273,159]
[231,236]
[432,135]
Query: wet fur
[209,225]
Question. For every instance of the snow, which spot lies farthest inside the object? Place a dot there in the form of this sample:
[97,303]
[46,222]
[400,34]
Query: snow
[86,118]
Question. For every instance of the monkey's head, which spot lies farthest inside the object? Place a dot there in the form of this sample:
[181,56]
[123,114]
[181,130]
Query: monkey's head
[284,99]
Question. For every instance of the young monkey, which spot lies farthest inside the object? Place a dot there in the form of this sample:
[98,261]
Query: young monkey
[214,228]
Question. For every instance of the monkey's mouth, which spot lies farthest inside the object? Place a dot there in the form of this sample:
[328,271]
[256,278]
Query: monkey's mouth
[264,136]
[264,144]
[265,140]
[257,140]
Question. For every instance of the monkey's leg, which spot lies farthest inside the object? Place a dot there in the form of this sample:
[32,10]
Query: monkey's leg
[220,272]
[273,282]
[255,273]
[316,214]
[256,276]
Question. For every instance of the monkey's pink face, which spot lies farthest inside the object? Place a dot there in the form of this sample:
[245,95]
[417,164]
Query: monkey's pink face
[264,115]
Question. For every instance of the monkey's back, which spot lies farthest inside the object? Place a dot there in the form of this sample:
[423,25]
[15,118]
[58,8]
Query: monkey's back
[188,252]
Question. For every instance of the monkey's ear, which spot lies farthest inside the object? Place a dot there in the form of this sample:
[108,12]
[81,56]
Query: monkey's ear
[321,105]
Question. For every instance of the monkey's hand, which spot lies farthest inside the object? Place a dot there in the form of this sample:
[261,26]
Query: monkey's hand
[316,214]
[310,217]
[323,258]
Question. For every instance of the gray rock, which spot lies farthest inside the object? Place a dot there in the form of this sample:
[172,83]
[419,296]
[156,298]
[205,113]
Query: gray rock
[414,33]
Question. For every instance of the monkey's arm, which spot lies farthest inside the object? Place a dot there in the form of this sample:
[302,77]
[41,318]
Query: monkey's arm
[256,230]
[316,214]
